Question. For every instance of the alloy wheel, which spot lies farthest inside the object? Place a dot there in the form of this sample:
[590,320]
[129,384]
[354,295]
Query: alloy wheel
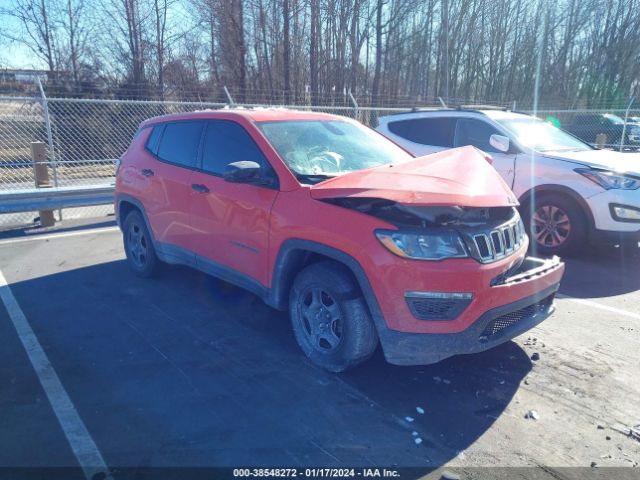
[137,244]
[321,319]
[551,226]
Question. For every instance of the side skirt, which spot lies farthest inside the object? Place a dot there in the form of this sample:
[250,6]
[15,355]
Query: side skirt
[173,254]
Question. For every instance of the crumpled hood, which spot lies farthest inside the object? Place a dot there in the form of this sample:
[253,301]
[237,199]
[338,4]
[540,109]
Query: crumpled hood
[623,162]
[458,177]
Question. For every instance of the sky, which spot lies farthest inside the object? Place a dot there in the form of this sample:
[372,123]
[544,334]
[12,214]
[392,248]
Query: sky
[18,57]
[13,54]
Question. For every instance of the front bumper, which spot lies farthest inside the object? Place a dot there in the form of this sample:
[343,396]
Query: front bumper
[496,325]
[603,218]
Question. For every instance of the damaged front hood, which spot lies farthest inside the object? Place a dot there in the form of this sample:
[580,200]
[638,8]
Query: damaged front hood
[461,176]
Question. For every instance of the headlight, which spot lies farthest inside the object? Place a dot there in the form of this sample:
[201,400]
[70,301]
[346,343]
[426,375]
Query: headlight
[436,245]
[610,180]
[635,131]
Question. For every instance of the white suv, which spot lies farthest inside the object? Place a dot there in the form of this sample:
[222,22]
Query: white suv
[569,192]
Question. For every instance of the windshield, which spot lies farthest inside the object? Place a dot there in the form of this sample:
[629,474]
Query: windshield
[614,119]
[541,136]
[318,149]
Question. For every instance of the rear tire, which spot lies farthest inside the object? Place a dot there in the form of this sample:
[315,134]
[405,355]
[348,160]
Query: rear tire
[330,318]
[138,246]
[556,225]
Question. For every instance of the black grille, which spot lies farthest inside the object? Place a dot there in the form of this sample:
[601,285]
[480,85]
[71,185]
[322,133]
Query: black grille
[482,242]
[496,239]
[496,244]
[509,319]
[436,308]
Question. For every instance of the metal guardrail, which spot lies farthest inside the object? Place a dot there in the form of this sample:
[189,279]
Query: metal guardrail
[28,200]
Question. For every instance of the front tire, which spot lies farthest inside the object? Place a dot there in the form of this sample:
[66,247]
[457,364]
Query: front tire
[556,225]
[138,246]
[330,318]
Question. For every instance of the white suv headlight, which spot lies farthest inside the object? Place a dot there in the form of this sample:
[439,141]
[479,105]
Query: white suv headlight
[610,180]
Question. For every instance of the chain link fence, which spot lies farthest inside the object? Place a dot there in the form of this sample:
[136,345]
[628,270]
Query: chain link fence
[615,129]
[86,136]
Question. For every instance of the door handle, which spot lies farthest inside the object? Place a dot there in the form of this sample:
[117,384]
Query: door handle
[147,172]
[200,188]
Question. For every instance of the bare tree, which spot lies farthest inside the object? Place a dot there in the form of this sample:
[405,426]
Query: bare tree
[73,23]
[160,11]
[399,51]
[37,30]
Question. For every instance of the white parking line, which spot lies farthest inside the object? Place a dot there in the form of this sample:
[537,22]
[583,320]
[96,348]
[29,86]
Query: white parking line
[48,236]
[82,445]
[593,304]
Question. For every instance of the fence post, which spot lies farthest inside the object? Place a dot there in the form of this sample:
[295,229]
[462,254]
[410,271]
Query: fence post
[355,105]
[601,140]
[624,126]
[229,97]
[47,124]
[41,173]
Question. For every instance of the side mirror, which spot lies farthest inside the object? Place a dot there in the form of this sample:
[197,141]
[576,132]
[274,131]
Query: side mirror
[241,172]
[499,142]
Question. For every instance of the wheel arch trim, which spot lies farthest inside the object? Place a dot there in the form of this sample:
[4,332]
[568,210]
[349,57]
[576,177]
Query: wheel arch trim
[288,260]
[526,197]
[125,198]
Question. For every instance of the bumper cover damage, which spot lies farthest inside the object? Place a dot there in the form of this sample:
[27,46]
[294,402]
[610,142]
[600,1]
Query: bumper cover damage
[497,325]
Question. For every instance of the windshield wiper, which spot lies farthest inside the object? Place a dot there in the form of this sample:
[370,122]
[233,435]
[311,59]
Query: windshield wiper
[576,149]
[313,176]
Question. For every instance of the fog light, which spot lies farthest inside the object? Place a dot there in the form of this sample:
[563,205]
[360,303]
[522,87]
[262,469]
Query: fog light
[625,213]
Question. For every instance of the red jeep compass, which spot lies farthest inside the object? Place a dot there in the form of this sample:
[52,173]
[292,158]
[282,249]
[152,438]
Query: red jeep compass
[317,214]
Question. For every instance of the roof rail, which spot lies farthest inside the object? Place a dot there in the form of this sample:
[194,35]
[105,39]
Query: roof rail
[482,107]
[468,108]
[418,109]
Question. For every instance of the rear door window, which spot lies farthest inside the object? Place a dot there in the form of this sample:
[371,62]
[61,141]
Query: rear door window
[474,132]
[180,142]
[437,131]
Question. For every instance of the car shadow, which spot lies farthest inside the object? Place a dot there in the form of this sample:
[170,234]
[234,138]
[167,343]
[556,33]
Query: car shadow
[447,405]
[601,271]
[186,370]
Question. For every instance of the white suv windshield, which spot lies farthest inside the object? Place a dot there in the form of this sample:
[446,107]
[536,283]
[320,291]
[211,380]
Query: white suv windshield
[542,136]
[317,149]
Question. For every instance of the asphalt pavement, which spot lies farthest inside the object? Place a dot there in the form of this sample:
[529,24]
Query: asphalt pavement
[185,370]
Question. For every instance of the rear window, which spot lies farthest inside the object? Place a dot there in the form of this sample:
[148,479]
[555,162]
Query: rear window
[154,139]
[426,131]
[179,143]
[587,119]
